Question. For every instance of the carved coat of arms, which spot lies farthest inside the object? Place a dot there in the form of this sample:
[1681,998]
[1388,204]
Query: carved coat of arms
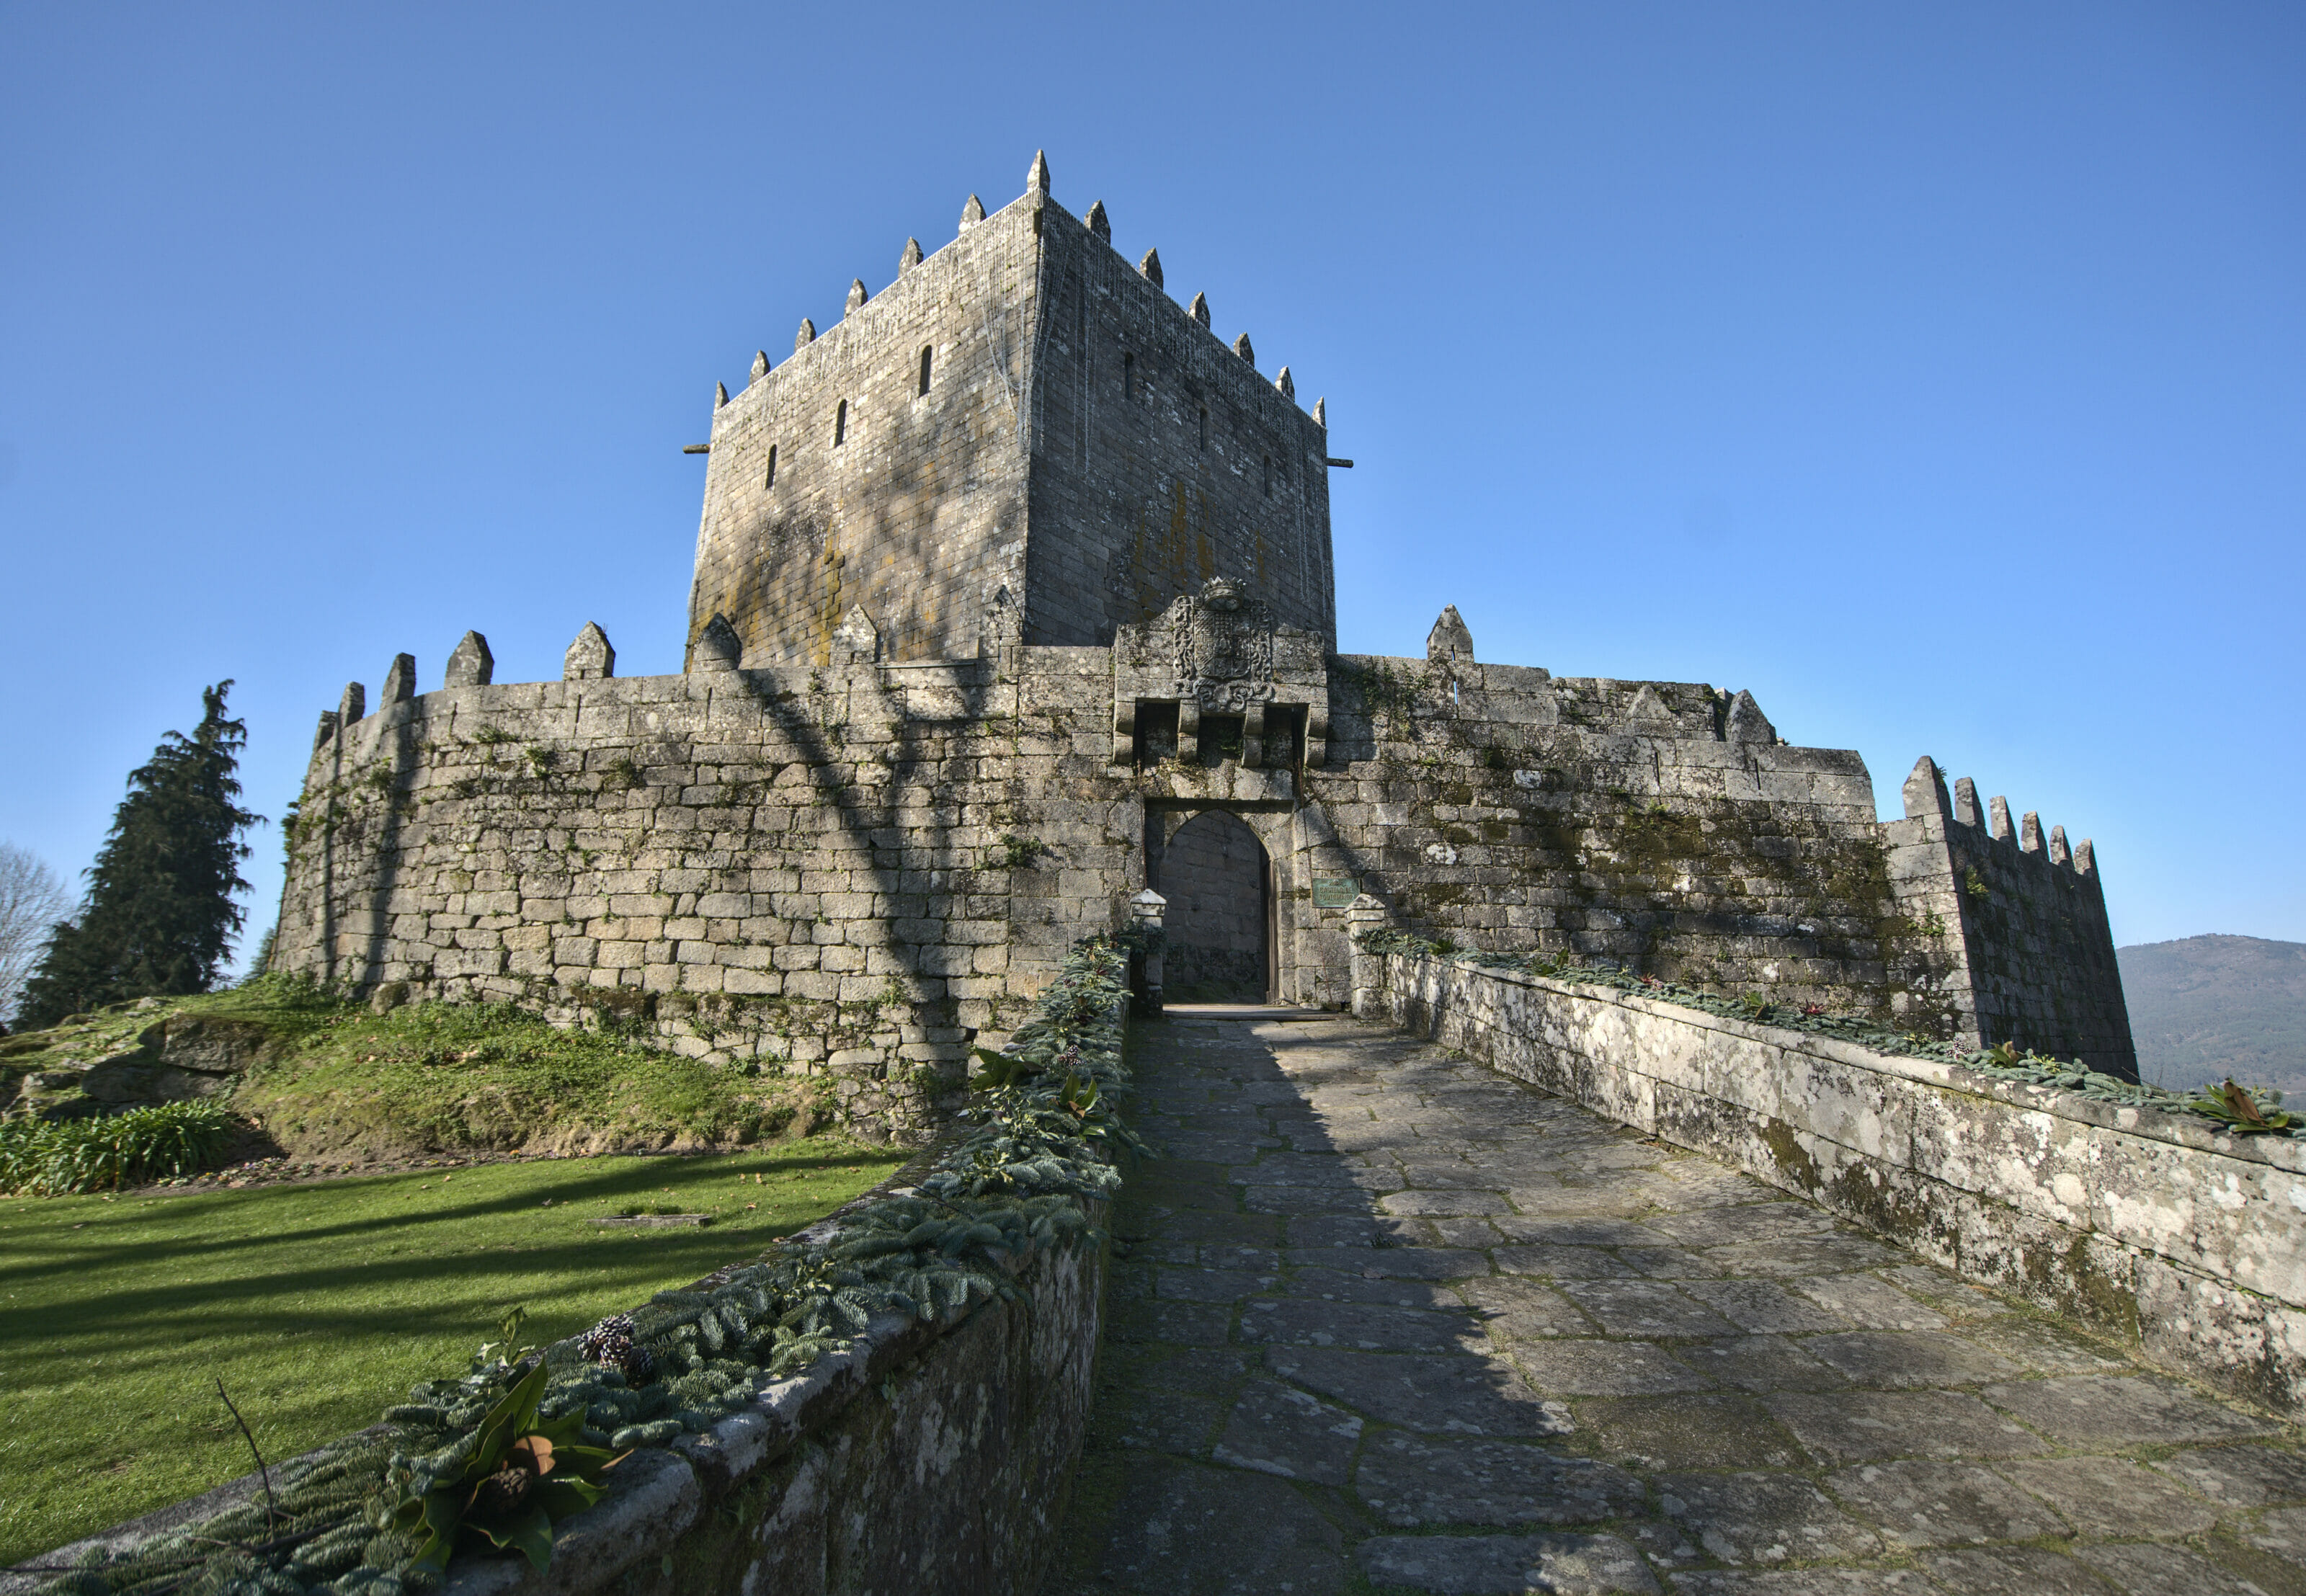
[1225,647]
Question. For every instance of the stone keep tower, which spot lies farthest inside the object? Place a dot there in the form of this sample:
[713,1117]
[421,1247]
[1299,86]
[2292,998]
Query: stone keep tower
[1022,440]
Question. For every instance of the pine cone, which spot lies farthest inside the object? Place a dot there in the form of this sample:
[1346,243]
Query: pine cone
[608,1342]
[639,1366]
[502,1494]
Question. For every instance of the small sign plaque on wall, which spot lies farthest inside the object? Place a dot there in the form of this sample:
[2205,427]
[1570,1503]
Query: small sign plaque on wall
[1334,891]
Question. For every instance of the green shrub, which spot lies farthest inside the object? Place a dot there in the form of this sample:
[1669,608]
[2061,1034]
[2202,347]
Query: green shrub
[40,1159]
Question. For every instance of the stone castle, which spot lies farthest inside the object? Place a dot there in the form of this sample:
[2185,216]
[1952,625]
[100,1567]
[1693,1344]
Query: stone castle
[1013,598]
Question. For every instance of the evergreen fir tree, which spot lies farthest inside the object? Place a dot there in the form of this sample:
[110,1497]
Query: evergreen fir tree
[159,917]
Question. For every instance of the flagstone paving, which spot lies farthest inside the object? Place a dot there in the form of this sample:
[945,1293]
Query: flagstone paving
[1381,1320]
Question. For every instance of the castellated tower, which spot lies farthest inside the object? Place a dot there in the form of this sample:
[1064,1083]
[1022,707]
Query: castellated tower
[1022,438]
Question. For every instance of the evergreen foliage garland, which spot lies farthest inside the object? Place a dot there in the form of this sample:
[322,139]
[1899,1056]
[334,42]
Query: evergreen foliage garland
[159,917]
[1039,1148]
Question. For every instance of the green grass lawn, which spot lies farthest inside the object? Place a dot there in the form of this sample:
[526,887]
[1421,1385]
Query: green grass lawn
[321,1305]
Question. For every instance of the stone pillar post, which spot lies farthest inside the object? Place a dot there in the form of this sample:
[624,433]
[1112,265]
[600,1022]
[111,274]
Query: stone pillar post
[1145,913]
[1365,914]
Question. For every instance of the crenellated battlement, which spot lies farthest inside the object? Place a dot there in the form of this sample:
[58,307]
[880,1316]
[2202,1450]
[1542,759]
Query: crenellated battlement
[1013,602]
[1022,437]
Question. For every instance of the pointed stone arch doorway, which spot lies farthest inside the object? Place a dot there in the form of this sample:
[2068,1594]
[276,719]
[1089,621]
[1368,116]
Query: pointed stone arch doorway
[1221,944]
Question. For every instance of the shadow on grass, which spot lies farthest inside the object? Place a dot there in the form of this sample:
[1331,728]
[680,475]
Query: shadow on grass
[452,1267]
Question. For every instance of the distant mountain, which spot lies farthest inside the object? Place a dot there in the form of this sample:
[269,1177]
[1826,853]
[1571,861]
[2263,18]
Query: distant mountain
[2207,1007]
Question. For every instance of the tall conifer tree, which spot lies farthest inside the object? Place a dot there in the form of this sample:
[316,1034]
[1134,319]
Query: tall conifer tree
[159,917]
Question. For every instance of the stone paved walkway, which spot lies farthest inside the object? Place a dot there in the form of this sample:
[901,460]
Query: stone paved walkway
[1383,1319]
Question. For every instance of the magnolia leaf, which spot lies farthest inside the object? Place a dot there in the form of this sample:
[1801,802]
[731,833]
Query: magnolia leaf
[562,1497]
[530,1534]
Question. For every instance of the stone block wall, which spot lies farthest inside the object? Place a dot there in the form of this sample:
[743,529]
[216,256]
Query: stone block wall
[1161,458]
[1082,451]
[2037,964]
[2153,1227]
[803,870]
[1662,824]
[850,871]
[910,504]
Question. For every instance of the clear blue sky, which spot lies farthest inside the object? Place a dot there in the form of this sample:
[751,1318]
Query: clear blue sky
[1937,373]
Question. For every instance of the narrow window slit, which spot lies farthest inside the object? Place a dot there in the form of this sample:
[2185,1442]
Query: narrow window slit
[769,477]
[928,352]
[840,425]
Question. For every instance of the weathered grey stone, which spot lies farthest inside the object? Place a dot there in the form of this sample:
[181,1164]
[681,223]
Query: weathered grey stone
[1763,1518]
[2149,1570]
[471,664]
[2088,1409]
[1407,1480]
[1464,1396]
[1761,1364]
[2241,1476]
[1368,1328]
[1151,266]
[1804,1582]
[1100,224]
[1707,1432]
[1747,722]
[857,295]
[1449,643]
[1762,1306]
[1644,1308]
[1567,1367]
[1167,1516]
[1923,1504]
[2014,1571]
[1508,1564]
[1906,1358]
[718,646]
[1868,1303]
[1199,309]
[1863,1426]
[399,681]
[1278,1430]
[2108,1496]
[590,657]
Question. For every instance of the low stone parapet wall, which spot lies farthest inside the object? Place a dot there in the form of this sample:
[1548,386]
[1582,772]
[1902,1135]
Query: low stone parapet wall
[2186,1243]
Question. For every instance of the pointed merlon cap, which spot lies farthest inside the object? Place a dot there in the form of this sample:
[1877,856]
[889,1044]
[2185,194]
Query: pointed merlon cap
[1286,384]
[1449,641]
[911,257]
[806,336]
[1150,268]
[1748,724]
[2029,834]
[399,682]
[1321,412]
[2086,859]
[857,295]
[353,706]
[589,658]
[1242,347]
[1100,227]
[471,665]
[1036,181]
[328,730]
[720,394]
[1648,706]
[857,637]
[2059,853]
[1999,824]
[1925,790]
[718,646]
[1965,801]
[972,213]
[760,364]
[1199,309]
